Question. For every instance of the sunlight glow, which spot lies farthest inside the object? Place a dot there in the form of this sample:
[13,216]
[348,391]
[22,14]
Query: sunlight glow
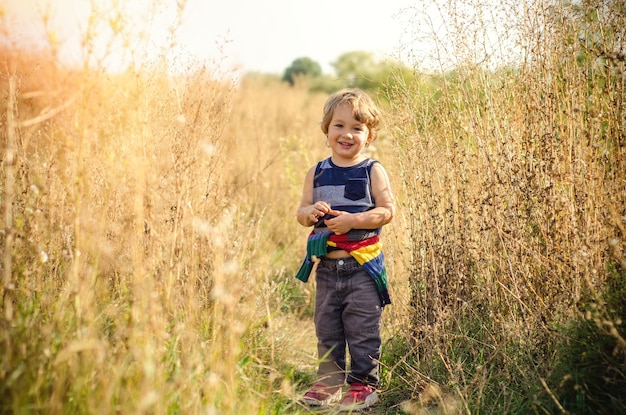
[264,36]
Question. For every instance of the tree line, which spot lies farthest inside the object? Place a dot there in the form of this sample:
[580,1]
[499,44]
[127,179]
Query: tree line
[358,69]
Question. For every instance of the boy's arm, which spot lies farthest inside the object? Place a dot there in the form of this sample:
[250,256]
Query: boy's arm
[308,212]
[385,208]
[381,215]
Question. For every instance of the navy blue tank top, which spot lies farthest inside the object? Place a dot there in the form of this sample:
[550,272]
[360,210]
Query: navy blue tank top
[344,188]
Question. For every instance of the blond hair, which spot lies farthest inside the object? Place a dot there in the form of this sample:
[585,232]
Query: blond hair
[364,110]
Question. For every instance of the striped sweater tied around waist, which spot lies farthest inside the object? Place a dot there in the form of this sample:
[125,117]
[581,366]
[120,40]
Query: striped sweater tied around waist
[367,252]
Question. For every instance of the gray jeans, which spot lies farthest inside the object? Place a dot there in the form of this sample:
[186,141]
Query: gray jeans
[347,312]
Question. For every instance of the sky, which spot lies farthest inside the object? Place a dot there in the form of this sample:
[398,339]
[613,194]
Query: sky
[249,35]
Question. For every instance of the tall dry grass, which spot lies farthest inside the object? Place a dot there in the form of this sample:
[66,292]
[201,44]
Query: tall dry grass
[149,239]
[514,191]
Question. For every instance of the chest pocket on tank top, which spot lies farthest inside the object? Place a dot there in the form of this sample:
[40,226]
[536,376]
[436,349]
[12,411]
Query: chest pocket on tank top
[355,189]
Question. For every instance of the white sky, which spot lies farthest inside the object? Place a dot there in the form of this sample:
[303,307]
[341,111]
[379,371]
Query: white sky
[251,35]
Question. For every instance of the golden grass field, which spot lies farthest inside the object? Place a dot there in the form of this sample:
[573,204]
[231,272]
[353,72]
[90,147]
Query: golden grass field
[150,241]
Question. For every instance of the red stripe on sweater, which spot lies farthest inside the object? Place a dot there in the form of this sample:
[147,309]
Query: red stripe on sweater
[342,242]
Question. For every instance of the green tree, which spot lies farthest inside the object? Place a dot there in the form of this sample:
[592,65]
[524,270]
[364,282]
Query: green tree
[358,69]
[302,67]
[364,70]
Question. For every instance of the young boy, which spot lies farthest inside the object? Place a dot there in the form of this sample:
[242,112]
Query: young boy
[347,199]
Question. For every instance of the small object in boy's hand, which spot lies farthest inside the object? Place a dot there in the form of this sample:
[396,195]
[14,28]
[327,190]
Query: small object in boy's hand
[326,216]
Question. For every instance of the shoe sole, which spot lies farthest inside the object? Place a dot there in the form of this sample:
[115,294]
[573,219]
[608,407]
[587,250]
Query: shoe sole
[369,401]
[326,402]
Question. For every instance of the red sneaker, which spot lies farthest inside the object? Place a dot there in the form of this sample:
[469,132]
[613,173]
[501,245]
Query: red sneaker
[321,395]
[359,396]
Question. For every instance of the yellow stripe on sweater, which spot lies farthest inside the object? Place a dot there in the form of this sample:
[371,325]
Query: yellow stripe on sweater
[367,253]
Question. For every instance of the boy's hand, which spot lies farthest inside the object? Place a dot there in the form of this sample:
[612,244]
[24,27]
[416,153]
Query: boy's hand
[341,223]
[318,210]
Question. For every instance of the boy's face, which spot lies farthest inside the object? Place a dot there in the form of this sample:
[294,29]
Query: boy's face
[347,137]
